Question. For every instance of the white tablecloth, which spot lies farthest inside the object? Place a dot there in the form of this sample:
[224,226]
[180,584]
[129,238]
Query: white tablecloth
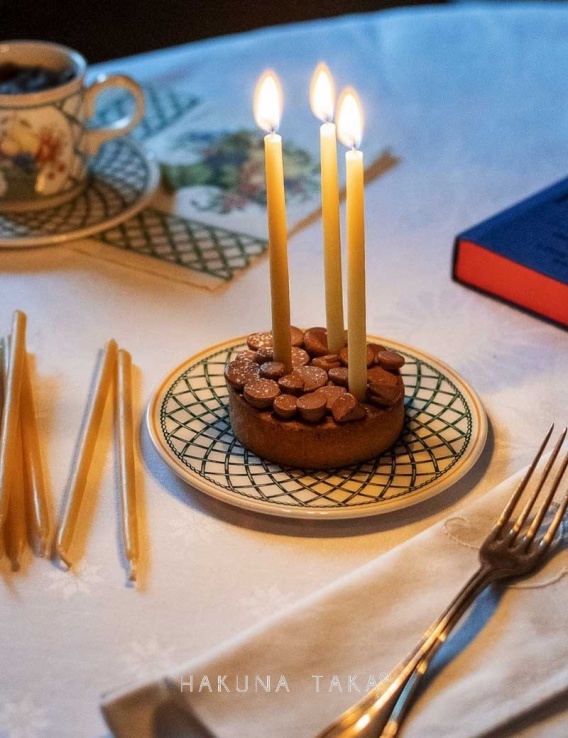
[474,101]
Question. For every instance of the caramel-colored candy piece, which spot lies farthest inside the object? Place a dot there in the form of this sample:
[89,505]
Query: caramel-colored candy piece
[339,376]
[312,407]
[347,408]
[344,356]
[379,376]
[297,336]
[264,354]
[331,393]
[292,384]
[383,395]
[383,387]
[390,360]
[264,339]
[259,340]
[327,362]
[313,377]
[239,372]
[315,341]
[299,357]
[375,348]
[285,406]
[272,370]
[261,393]
[245,356]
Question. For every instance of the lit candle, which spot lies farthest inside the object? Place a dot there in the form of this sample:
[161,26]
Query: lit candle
[267,110]
[349,127]
[322,98]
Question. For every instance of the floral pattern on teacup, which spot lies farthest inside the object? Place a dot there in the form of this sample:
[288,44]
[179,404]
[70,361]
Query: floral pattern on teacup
[35,153]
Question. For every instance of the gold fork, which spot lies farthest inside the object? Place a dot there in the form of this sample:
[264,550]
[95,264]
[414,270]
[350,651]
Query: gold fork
[513,548]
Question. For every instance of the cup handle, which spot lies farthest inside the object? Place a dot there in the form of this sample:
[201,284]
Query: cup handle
[95,137]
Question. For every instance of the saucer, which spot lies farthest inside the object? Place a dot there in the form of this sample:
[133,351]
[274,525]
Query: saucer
[123,179]
[444,434]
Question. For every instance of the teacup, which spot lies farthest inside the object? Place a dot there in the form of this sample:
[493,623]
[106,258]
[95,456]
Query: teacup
[45,138]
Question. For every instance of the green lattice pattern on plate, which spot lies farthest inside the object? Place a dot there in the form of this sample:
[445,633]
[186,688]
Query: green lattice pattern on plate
[120,174]
[190,243]
[195,424]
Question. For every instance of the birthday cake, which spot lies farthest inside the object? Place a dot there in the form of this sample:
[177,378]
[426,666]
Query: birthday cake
[307,418]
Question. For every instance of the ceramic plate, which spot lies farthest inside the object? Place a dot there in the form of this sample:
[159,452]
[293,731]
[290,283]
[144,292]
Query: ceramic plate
[123,178]
[444,434]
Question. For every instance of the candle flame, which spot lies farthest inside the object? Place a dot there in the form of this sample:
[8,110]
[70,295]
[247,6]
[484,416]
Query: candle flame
[322,93]
[349,118]
[268,102]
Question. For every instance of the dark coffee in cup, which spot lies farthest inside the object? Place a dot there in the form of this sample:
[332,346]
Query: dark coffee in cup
[18,79]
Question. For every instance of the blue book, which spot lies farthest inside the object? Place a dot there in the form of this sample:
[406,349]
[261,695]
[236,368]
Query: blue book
[521,254]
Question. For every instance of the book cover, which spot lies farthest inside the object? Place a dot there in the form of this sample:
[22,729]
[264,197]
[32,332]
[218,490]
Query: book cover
[521,254]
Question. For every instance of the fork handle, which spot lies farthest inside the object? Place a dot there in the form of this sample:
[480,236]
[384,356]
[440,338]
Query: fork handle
[408,693]
[369,717]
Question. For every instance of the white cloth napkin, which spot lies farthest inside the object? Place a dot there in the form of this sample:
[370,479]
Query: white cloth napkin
[508,657]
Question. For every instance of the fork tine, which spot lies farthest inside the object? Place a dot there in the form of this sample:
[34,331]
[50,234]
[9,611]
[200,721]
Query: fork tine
[539,517]
[555,524]
[530,503]
[510,506]
[551,532]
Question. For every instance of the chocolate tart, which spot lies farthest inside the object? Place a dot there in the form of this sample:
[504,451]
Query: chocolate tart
[284,419]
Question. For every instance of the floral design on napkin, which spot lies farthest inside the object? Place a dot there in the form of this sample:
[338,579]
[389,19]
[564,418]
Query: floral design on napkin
[464,532]
[233,164]
[209,216]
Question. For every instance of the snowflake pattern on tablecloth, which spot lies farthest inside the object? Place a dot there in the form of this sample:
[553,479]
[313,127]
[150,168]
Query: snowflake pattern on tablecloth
[263,602]
[148,659]
[479,335]
[69,583]
[22,719]
[516,439]
[190,528]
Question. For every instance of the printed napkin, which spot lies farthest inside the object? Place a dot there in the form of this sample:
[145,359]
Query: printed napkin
[209,215]
[292,675]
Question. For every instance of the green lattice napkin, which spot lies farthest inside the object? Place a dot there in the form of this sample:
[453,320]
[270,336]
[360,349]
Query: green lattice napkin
[210,215]
[163,238]
[212,255]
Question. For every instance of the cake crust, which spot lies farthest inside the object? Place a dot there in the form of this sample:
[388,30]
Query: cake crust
[324,445]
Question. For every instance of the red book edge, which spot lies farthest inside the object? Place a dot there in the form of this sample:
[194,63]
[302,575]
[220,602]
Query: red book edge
[481,268]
